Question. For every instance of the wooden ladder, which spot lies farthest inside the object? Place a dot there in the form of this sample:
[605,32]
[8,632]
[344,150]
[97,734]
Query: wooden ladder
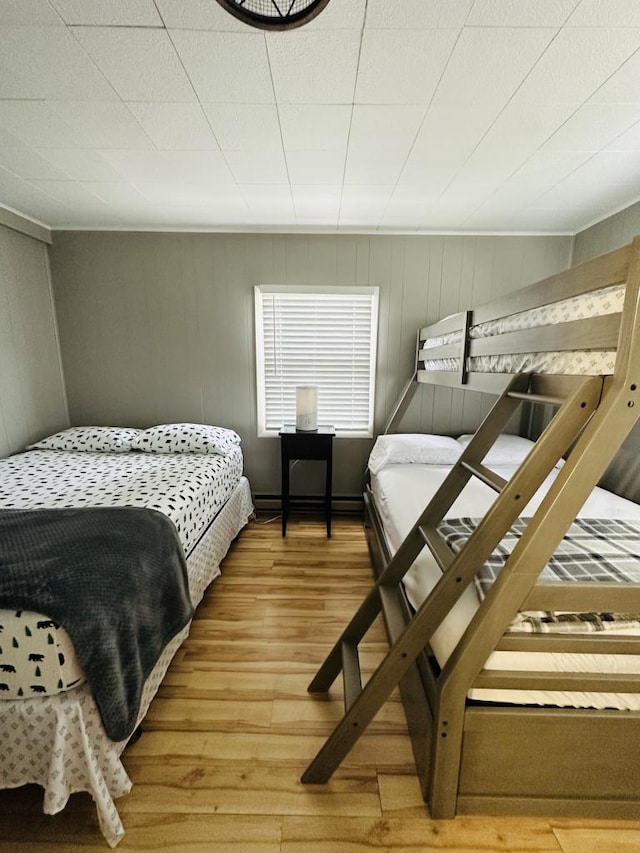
[576,399]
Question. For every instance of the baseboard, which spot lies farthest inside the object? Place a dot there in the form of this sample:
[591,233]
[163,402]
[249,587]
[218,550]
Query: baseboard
[347,504]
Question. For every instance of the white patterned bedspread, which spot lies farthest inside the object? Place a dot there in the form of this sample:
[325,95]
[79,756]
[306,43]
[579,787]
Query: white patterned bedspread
[36,655]
[190,488]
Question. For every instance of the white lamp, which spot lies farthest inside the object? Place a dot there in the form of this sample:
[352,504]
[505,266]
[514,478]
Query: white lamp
[307,407]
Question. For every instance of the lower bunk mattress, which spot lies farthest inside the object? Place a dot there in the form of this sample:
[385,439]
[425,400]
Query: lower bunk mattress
[56,738]
[401,492]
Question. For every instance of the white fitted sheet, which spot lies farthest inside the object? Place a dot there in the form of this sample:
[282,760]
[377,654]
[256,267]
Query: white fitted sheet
[401,493]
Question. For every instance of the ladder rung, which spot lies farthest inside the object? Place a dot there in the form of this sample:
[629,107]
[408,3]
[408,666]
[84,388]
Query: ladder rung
[488,477]
[596,643]
[536,398]
[438,547]
[392,615]
[351,676]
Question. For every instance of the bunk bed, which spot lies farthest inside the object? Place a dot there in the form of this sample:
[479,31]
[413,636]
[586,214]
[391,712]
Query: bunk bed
[58,728]
[483,739]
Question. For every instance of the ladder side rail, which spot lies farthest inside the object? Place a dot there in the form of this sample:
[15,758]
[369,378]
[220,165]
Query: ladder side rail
[592,453]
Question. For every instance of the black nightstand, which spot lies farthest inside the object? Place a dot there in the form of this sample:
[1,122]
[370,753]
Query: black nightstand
[300,444]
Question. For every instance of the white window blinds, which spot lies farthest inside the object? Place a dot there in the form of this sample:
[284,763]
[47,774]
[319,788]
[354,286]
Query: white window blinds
[316,336]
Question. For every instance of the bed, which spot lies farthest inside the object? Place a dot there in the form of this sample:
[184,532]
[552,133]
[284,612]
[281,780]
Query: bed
[51,730]
[514,703]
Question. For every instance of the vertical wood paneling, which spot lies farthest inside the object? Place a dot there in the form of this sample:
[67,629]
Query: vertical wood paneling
[32,398]
[160,326]
[611,233]
[623,474]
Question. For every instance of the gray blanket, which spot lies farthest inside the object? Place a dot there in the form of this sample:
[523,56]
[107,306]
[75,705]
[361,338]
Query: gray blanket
[114,578]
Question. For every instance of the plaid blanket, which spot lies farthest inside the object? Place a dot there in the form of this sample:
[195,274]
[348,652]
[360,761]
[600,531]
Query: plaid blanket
[593,550]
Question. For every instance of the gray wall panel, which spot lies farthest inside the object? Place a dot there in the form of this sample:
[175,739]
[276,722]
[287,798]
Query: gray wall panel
[623,476]
[32,399]
[159,327]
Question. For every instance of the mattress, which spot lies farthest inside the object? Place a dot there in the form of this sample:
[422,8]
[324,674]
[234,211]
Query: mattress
[608,300]
[401,492]
[36,654]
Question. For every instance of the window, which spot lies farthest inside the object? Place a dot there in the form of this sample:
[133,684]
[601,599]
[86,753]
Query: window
[324,336]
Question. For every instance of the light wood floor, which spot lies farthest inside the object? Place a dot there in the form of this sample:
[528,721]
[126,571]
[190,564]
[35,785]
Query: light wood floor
[232,728]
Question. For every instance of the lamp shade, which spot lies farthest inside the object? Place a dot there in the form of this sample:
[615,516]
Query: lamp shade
[307,407]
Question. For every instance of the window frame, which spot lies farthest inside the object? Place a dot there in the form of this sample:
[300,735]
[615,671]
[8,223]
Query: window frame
[259,290]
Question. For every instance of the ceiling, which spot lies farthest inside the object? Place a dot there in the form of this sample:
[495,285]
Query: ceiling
[379,115]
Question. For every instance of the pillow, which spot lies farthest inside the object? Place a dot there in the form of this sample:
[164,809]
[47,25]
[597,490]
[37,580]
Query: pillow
[187,438]
[421,448]
[90,438]
[507,449]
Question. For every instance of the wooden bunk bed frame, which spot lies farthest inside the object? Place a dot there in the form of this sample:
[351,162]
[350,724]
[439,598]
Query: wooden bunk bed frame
[491,758]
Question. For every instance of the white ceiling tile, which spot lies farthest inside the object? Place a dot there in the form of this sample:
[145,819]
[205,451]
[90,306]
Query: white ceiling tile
[520,13]
[376,126]
[414,61]
[417,14]
[25,198]
[374,167]
[316,167]
[47,62]
[257,167]
[245,127]
[273,199]
[34,13]
[470,190]
[628,141]
[547,168]
[315,126]
[141,64]
[121,13]
[226,67]
[70,193]
[488,64]
[114,193]
[36,124]
[199,15]
[606,13]
[81,164]
[449,133]
[519,131]
[340,15]
[174,126]
[204,167]
[99,125]
[577,62]
[27,163]
[606,178]
[312,202]
[594,126]
[317,68]
[179,193]
[623,85]
[356,202]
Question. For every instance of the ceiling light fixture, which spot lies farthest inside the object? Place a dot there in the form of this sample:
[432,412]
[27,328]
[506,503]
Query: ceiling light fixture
[274,14]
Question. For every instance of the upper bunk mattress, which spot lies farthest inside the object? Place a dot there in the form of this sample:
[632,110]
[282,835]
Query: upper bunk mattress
[36,655]
[401,492]
[607,300]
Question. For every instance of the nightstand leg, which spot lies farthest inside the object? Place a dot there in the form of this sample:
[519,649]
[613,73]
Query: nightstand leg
[327,494]
[285,493]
